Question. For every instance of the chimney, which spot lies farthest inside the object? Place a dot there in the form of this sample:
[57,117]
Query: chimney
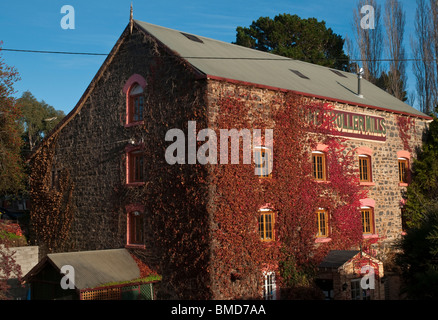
[359,78]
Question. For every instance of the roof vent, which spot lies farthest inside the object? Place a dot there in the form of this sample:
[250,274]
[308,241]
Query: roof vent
[359,78]
[338,73]
[192,37]
[299,74]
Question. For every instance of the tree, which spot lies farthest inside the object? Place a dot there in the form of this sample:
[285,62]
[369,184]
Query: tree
[419,247]
[38,119]
[419,257]
[369,41]
[386,82]
[290,36]
[395,24]
[11,165]
[9,269]
[424,65]
[422,192]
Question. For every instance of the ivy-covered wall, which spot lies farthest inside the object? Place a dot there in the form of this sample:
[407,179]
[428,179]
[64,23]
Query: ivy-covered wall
[200,224]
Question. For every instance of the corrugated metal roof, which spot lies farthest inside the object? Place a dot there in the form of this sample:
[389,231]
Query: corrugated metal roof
[337,258]
[95,268]
[225,60]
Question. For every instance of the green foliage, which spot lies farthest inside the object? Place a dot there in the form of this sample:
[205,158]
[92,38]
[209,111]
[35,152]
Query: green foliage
[419,258]
[37,119]
[419,247]
[290,36]
[11,165]
[422,193]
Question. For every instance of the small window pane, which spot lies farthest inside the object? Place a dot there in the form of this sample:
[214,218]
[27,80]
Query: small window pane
[365,168]
[266,225]
[403,170]
[319,167]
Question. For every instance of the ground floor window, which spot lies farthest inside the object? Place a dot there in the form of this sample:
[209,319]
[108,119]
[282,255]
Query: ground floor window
[357,293]
[135,228]
[269,286]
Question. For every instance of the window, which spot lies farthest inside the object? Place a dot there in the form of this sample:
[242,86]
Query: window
[263,162]
[135,228]
[403,167]
[322,223]
[134,164]
[365,168]
[136,101]
[367,220]
[319,166]
[357,293]
[269,286]
[266,225]
[134,90]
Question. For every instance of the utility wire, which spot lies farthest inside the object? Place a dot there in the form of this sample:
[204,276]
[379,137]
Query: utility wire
[200,57]
[54,52]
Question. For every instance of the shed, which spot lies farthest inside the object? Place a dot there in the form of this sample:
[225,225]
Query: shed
[90,275]
[351,275]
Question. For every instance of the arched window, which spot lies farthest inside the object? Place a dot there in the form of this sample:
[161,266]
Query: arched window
[136,102]
[134,89]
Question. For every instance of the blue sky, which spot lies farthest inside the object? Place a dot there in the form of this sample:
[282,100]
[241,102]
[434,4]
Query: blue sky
[60,80]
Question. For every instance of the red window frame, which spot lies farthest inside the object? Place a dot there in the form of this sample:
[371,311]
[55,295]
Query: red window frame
[135,234]
[135,165]
[136,106]
[130,118]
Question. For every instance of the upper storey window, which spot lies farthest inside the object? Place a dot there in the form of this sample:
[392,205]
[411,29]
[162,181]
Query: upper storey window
[135,89]
[319,166]
[136,102]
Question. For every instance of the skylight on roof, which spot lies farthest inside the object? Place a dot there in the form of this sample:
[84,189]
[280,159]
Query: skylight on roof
[192,37]
[338,73]
[299,74]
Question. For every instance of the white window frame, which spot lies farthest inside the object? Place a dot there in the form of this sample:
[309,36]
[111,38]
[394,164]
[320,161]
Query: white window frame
[269,286]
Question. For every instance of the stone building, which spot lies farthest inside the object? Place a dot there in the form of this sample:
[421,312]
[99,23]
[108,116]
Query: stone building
[96,165]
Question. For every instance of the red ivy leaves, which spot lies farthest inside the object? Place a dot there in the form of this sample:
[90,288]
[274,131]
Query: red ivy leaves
[292,193]
[404,125]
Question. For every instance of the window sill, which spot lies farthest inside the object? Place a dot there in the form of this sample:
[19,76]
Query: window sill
[403,184]
[322,181]
[134,123]
[367,184]
[370,236]
[135,184]
[135,246]
[322,240]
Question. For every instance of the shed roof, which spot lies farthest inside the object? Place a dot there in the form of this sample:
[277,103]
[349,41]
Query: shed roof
[218,59]
[337,258]
[94,268]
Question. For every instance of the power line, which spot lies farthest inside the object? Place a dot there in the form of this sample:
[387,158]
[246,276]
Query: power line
[54,52]
[209,58]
